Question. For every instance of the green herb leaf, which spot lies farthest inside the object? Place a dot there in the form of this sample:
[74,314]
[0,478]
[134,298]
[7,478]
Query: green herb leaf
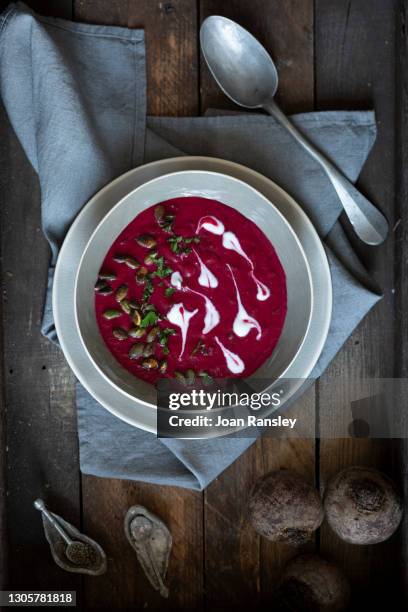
[169,291]
[165,350]
[149,319]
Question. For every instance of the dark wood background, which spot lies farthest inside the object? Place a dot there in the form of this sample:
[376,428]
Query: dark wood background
[331,54]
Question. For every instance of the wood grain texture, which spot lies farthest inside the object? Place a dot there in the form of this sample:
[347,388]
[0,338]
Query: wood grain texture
[355,46]
[242,569]
[401,269]
[286,31]
[171,45]
[171,37]
[41,421]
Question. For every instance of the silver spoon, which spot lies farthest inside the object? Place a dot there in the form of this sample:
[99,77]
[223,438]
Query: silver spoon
[246,73]
[75,549]
[142,529]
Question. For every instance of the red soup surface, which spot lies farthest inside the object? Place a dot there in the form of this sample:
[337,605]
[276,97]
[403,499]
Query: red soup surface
[191,286]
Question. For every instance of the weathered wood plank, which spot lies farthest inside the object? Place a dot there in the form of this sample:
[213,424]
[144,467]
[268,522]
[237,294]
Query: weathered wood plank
[171,40]
[401,254]
[41,421]
[171,44]
[240,568]
[355,67]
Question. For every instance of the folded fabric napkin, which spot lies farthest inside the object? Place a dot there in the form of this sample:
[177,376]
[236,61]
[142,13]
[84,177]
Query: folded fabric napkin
[76,97]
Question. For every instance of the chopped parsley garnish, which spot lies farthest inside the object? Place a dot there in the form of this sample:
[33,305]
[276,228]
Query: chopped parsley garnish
[148,290]
[150,318]
[169,291]
[206,378]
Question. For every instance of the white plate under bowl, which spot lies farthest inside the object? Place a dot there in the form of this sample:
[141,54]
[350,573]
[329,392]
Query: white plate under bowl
[241,197]
[130,410]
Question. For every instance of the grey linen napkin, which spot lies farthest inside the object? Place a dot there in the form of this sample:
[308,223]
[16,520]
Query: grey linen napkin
[76,97]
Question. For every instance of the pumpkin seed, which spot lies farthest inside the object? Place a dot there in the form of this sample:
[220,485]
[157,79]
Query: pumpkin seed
[111,313]
[141,275]
[163,366]
[136,332]
[133,304]
[150,364]
[136,318]
[159,213]
[148,349]
[190,376]
[147,241]
[121,293]
[180,377]
[152,335]
[150,258]
[131,262]
[110,276]
[102,287]
[105,290]
[119,333]
[119,258]
[126,307]
[136,351]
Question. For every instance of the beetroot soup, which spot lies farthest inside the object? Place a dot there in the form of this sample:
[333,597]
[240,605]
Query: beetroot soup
[191,288]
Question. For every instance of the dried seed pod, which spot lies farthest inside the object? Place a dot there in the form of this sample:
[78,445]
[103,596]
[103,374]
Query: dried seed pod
[363,506]
[119,258]
[111,313]
[110,276]
[283,507]
[146,240]
[163,366]
[159,213]
[125,306]
[149,349]
[131,262]
[136,318]
[150,363]
[310,583]
[136,332]
[121,292]
[119,333]
[152,335]
[136,351]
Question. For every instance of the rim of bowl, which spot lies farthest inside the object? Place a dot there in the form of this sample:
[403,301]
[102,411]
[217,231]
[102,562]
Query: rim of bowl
[120,203]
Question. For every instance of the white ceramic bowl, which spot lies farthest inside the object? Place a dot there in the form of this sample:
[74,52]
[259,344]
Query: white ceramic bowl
[227,190]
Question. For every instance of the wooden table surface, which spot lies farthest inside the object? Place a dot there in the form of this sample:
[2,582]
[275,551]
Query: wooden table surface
[331,54]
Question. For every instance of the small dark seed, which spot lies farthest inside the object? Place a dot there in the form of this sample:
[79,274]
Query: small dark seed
[110,276]
[131,262]
[136,351]
[136,332]
[150,364]
[163,366]
[147,241]
[152,335]
[119,333]
[148,349]
[119,258]
[126,307]
[121,293]
[112,314]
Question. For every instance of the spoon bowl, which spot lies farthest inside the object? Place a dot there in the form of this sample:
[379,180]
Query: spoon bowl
[238,62]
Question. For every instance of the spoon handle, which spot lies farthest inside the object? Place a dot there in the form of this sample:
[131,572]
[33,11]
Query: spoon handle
[368,222]
[39,505]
